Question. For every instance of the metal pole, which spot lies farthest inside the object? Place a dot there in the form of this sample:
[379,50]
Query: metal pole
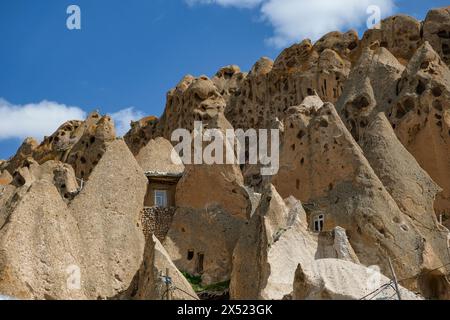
[395,280]
[167,284]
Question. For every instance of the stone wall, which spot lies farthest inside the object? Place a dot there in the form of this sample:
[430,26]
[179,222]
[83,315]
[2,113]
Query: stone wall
[157,221]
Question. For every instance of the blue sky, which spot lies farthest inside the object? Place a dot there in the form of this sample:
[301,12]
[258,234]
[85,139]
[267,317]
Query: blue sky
[128,54]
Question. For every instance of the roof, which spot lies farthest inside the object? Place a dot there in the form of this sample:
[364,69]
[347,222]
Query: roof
[157,174]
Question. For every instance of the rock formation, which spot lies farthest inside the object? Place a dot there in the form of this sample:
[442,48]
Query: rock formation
[78,143]
[159,156]
[150,282]
[86,248]
[107,213]
[358,184]
[436,31]
[201,242]
[323,166]
[421,118]
[272,87]
[274,242]
[332,279]
[400,34]
[370,88]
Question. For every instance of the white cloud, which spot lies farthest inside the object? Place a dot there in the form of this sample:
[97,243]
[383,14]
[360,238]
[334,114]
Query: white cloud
[42,119]
[295,20]
[34,119]
[123,118]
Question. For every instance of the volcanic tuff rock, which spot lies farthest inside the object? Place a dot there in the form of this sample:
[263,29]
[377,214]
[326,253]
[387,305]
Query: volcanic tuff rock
[272,245]
[78,143]
[24,151]
[159,156]
[436,30]
[141,133]
[420,115]
[96,237]
[253,100]
[414,100]
[203,184]
[370,88]
[107,212]
[271,88]
[400,34]
[262,240]
[228,80]
[39,243]
[332,279]
[5,178]
[148,283]
[322,165]
[201,242]
[371,179]
[193,99]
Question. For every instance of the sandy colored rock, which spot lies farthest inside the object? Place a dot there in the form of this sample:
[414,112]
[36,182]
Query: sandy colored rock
[78,143]
[86,153]
[48,260]
[296,210]
[414,192]
[270,248]
[342,246]
[421,118]
[436,30]
[205,184]
[332,279]
[228,80]
[268,251]
[256,99]
[373,87]
[400,34]
[370,88]
[25,150]
[322,165]
[201,242]
[219,185]
[141,133]
[299,71]
[111,200]
[96,238]
[357,190]
[344,44]
[149,283]
[157,156]
[5,178]
[193,99]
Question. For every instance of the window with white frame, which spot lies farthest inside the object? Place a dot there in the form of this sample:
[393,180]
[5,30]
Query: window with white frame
[161,198]
[319,223]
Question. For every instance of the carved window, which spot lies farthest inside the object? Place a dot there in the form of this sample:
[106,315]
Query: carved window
[190,255]
[200,261]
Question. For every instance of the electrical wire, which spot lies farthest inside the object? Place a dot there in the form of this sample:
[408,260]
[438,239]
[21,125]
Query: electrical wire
[376,290]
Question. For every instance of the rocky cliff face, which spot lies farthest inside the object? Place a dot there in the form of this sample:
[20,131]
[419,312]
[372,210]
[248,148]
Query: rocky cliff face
[364,177]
